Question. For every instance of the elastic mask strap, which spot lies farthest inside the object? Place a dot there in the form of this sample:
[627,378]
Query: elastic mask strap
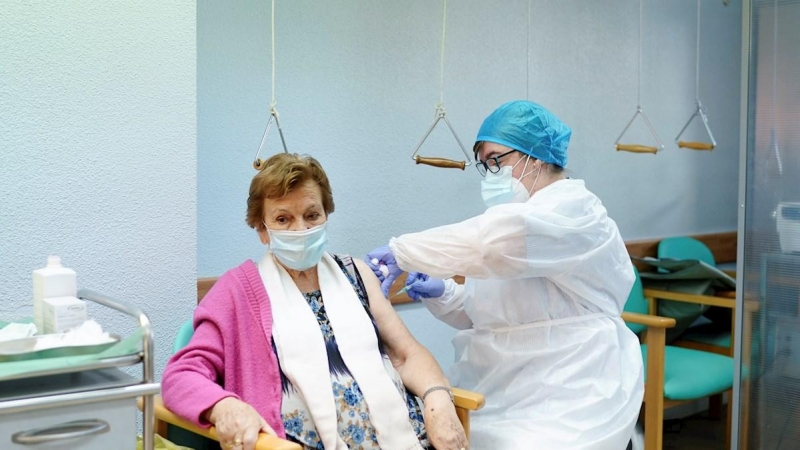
[538,172]
[528,158]
[533,188]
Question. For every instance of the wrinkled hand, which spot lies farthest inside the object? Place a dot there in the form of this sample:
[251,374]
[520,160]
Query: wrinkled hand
[238,424]
[441,422]
[383,256]
[421,285]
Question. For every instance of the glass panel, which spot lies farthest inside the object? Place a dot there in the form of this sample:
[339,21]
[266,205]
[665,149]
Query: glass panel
[770,388]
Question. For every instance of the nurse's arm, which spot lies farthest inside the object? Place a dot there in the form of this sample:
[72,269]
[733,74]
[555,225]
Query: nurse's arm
[449,308]
[512,241]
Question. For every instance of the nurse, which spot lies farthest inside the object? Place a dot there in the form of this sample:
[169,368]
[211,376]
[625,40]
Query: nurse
[547,276]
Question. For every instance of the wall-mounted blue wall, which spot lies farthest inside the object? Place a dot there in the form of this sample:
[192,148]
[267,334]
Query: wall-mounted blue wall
[98,154]
[97,126]
[356,83]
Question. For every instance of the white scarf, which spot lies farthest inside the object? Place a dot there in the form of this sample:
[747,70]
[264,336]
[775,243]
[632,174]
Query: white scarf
[304,359]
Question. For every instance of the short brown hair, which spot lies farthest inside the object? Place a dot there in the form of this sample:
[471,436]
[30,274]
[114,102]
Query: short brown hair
[279,176]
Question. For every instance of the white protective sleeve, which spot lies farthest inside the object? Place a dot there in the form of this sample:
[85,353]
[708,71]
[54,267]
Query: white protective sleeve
[449,308]
[545,237]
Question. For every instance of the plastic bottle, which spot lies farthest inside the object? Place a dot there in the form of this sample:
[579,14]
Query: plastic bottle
[54,280]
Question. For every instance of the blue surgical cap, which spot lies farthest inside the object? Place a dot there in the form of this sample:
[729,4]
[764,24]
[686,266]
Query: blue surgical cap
[529,128]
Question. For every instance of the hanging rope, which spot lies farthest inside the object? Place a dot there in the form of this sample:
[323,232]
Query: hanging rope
[699,108]
[774,54]
[273,112]
[441,115]
[528,54]
[272,28]
[440,105]
[774,148]
[639,64]
[639,148]
[697,61]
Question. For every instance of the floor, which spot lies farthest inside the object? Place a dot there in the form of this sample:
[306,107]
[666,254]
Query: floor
[778,430]
[696,432]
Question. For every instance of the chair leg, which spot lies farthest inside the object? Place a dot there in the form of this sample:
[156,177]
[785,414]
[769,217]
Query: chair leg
[729,420]
[463,417]
[715,407]
[161,428]
[654,390]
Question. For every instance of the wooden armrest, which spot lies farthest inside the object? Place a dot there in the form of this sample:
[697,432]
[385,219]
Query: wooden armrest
[467,399]
[265,441]
[691,298]
[725,293]
[648,320]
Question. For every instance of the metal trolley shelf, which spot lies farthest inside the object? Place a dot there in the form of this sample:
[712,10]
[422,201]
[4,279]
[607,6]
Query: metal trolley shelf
[105,383]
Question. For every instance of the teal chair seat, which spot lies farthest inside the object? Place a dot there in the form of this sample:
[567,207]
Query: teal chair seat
[688,374]
[692,374]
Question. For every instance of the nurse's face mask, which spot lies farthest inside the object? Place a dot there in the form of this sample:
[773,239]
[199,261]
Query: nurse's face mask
[298,250]
[499,186]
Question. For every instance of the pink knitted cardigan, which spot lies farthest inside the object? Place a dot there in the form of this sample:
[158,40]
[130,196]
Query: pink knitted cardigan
[230,354]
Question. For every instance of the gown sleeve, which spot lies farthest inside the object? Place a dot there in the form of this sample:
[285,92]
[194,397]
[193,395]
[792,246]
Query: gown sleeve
[506,242]
[449,308]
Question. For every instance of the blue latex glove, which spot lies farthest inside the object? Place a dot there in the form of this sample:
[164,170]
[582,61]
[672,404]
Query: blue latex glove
[384,257]
[421,285]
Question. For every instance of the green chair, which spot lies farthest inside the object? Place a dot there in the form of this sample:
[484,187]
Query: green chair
[714,337]
[182,432]
[673,375]
[175,433]
[185,333]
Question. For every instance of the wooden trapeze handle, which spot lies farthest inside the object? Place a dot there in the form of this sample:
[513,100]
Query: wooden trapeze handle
[440,162]
[636,148]
[696,145]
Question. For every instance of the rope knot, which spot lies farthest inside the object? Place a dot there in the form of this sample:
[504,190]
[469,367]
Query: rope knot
[440,109]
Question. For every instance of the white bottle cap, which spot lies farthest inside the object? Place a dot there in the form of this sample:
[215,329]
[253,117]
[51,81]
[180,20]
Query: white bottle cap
[53,261]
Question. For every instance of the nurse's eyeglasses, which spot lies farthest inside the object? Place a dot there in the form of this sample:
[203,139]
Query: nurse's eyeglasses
[491,164]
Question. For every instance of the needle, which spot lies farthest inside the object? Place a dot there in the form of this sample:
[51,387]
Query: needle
[401,291]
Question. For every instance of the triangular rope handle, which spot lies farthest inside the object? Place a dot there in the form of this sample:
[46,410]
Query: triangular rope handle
[258,163]
[273,116]
[639,148]
[699,109]
[437,161]
[696,145]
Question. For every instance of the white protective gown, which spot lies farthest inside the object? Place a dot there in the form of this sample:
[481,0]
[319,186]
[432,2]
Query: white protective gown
[542,336]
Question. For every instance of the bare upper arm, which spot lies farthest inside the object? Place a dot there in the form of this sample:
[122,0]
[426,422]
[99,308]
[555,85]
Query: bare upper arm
[398,340]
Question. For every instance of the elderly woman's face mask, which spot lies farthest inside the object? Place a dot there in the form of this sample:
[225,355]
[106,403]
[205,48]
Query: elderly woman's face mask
[296,228]
[299,250]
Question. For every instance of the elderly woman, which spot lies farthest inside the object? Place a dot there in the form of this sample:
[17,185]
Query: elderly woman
[304,345]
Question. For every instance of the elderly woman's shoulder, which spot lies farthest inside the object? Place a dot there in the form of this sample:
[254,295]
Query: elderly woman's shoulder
[242,281]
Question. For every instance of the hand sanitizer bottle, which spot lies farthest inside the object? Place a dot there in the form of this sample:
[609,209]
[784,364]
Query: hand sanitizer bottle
[54,280]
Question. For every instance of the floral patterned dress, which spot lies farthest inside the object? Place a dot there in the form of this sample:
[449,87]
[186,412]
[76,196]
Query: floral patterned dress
[355,427]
